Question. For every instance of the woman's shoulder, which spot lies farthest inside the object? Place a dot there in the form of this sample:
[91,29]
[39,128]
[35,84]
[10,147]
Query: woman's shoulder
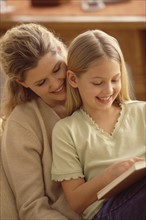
[33,114]
[23,110]
[34,118]
[30,109]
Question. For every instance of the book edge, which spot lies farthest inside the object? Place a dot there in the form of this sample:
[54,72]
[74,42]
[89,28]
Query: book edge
[137,166]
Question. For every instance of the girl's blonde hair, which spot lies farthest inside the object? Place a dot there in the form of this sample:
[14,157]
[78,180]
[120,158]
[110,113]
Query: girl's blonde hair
[87,48]
[21,48]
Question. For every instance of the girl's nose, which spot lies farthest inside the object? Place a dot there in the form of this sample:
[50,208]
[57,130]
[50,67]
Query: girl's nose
[108,89]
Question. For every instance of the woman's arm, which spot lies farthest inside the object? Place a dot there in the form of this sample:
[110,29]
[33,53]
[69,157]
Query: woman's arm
[22,160]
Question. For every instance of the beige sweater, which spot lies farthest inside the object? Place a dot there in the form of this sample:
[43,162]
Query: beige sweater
[27,158]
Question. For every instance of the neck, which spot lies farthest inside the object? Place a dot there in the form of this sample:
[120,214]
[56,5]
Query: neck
[60,110]
[106,120]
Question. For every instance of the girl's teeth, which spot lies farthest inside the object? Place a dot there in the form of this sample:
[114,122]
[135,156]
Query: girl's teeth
[105,99]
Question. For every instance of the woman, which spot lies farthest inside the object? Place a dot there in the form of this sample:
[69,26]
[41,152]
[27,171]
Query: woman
[34,62]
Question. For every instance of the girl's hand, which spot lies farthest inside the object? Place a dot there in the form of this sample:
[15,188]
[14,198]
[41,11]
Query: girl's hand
[80,194]
[116,169]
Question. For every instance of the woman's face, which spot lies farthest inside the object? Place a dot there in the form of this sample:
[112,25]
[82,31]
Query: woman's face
[47,80]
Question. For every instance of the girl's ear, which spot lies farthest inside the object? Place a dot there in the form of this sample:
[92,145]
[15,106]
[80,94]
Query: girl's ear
[21,83]
[72,78]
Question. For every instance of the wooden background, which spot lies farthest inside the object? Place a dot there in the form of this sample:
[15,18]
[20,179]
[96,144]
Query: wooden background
[125,20]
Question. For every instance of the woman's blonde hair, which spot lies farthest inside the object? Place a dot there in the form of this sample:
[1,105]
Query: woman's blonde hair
[21,48]
[87,48]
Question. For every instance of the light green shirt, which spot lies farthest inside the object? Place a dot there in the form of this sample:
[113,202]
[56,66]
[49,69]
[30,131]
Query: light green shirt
[82,149]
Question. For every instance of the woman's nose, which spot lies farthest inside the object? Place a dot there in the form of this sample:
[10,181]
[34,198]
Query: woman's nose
[53,82]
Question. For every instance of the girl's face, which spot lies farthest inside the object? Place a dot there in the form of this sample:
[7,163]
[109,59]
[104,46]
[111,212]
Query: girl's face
[99,86]
[47,80]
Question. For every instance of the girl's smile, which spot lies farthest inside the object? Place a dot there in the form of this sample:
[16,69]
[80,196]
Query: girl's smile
[99,86]
[104,100]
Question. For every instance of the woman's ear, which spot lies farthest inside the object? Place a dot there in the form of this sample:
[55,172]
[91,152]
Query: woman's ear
[21,83]
[72,78]
[58,49]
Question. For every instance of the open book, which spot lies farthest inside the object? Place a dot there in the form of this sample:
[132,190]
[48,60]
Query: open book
[130,176]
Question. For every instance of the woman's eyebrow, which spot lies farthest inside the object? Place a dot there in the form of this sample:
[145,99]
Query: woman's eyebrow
[56,65]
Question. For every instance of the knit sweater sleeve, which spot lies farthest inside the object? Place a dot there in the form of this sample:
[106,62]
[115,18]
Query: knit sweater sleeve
[21,155]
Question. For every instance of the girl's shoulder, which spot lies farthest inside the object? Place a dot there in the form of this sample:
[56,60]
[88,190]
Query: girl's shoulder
[70,122]
[135,105]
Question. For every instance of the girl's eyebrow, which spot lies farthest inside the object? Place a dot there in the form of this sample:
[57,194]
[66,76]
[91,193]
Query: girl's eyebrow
[118,74]
[100,77]
[97,77]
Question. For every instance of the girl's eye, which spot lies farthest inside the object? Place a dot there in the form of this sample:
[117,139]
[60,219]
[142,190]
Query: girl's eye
[115,80]
[41,82]
[97,84]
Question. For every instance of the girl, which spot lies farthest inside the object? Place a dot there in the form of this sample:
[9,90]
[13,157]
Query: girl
[104,133]
[34,62]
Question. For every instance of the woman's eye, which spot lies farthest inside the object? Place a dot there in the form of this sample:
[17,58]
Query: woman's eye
[41,83]
[62,66]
